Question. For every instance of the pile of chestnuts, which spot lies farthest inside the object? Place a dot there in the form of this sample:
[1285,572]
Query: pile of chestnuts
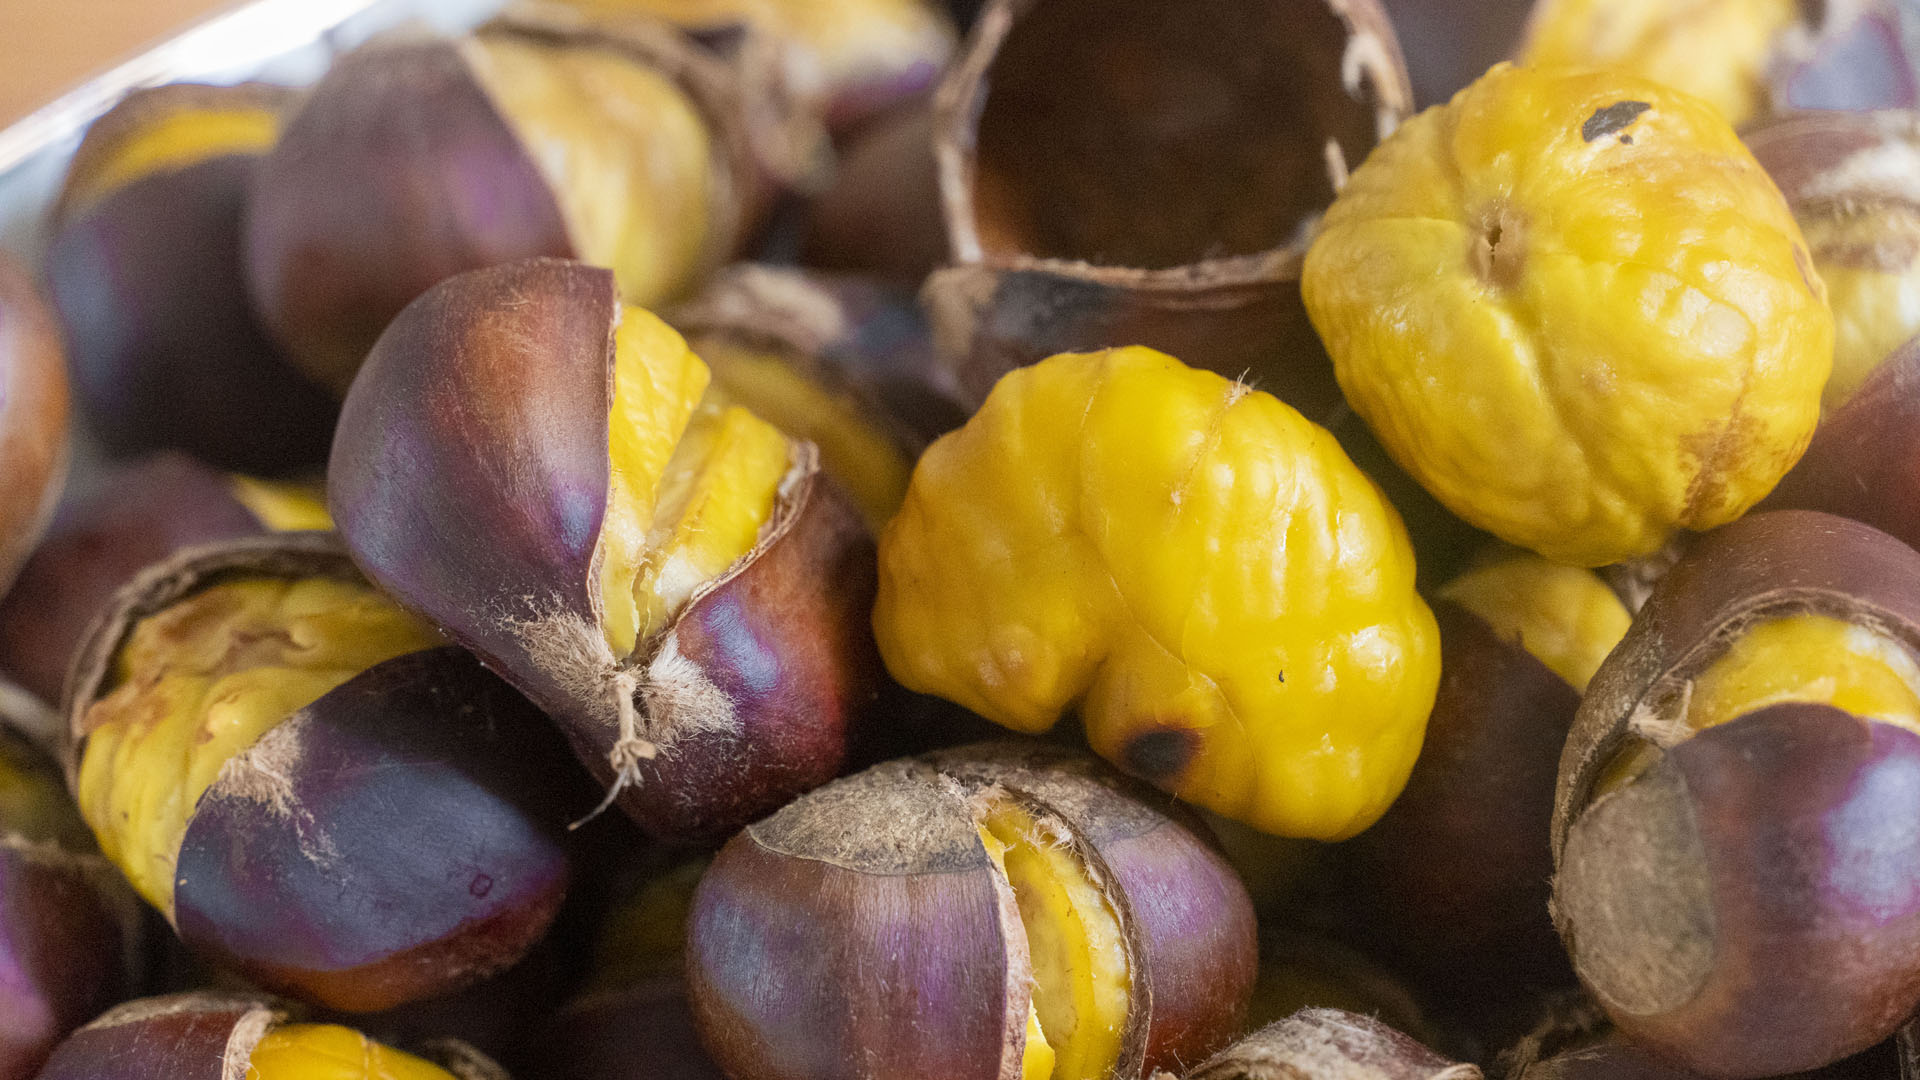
[1024,540]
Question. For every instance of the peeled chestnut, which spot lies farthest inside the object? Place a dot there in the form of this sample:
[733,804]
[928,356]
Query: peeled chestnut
[1165,199]
[1329,1044]
[1738,876]
[621,142]
[545,474]
[33,417]
[144,268]
[841,361]
[308,784]
[132,516]
[1453,881]
[69,928]
[1003,909]
[219,1036]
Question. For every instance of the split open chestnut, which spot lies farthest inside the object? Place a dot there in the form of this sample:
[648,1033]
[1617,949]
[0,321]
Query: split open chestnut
[309,785]
[1003,910]
[547,475]
[1738,874]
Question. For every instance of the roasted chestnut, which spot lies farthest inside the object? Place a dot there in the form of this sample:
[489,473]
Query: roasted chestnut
[144,268]
[620,141]
[1130,172]
[1738,876]
[33,417]
[1453,882]
[1001,910]
[1328,1044]
[309,785]
[542,472]
[69,927]
[132,516]
[220,1036]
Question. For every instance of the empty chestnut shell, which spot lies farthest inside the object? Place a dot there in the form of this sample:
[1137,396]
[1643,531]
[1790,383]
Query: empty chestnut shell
[132,516]
[619,141]
[981,912]
[70,930]
[33,417]
[312,790]
[1164,200]
[206,1035]
[144,268]
[1328,1044]
[1738,879]
[474,480]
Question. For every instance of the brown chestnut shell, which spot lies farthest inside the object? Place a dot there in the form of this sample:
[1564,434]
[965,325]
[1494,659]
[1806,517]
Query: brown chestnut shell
[469,479]
[1755,855]
[865,921]
[396,839]
[1165,200]
[33,417]
[1328,1044]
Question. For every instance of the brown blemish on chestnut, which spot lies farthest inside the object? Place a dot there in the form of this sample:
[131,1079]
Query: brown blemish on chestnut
[1614,117]
[1161,754]
[1499,249]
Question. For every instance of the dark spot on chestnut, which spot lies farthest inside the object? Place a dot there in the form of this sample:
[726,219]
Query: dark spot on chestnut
[1160,754]
[1626,140]
[481,886]
[1283,677]
[1612,119]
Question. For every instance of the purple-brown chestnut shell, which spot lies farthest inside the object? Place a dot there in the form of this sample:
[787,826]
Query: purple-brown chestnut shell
[1328,1044]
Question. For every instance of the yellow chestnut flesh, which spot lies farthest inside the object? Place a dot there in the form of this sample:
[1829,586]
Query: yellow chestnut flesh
[1713,49]
[1564,616]
[172,142]
[1815,659]
[864,459]
[201,681]
[625,150]
[282,505]
[693,479]
[332,1052]
[1224,596]
[1876,304]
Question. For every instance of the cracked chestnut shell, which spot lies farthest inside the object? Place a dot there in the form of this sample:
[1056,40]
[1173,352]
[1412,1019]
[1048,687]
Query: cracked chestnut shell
[415,159]
[70,930]
[1165,200]
[1327,1044]
[144,268]
[912,918]
[136,514]
[1737,878]
[472,479]
[393,838]
[209,1035]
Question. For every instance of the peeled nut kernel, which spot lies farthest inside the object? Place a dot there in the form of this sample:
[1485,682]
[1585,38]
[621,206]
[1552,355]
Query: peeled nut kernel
[1573,306]
[998,910]
[1327,1044]
[1228,602]
[542,472]
[1164,200]
[851,59]
[1853,182]
[216,1036]
[69,928]
[622,143]
[136,515]
[1731,815]
[144,267]
[273,753]
[1454,881]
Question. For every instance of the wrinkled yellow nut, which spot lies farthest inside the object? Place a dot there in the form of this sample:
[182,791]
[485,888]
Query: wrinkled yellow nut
[1717,50]
[332,1052]
[1572,305]
[692,481]
[1565,617]
[627,154]
[1227,599]
[1815,659]
[200,682]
